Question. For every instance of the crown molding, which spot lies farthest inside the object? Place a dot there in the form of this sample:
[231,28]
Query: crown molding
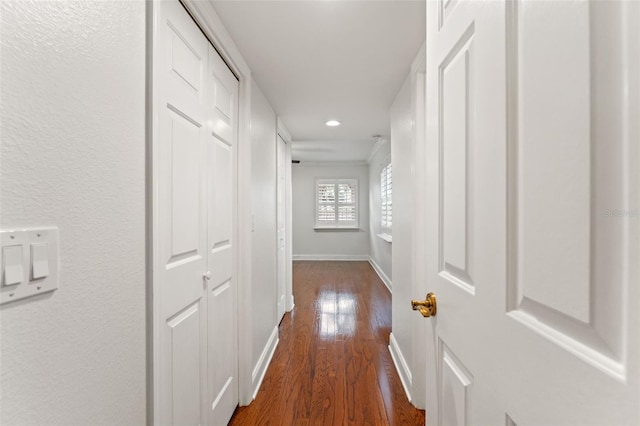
[330,163]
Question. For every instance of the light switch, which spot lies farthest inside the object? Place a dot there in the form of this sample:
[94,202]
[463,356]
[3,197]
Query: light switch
[39,261]
[29,263]
[12,265]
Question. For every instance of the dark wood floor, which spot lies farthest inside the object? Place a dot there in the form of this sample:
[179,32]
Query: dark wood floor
[332,365]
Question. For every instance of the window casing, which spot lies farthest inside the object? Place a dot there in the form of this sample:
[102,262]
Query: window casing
[336,203]
[386,198]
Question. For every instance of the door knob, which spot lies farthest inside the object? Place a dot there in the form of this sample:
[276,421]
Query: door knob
[427,307]
[207,275]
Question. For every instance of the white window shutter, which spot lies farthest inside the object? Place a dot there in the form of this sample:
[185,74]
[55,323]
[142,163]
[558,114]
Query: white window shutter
[336,203]
[386,198]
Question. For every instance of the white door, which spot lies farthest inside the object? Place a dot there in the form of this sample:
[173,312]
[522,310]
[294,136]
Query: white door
[532,220]
[195,104]
[281,223]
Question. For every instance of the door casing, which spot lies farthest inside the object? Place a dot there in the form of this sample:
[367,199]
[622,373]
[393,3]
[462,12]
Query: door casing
[418,99]
[288,227]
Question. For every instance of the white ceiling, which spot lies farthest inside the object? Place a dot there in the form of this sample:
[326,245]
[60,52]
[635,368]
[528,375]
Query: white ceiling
[321,60]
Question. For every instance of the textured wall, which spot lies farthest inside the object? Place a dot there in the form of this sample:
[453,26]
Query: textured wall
[264,301]
[307,241]
[380,249]
[73,153]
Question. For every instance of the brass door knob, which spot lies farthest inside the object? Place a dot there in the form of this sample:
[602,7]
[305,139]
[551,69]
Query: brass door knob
[427,307]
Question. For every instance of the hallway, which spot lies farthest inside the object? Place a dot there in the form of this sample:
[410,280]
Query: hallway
[332,365]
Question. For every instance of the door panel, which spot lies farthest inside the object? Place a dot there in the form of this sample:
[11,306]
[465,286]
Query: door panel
[181,220]
[531,212]
[459,133]
[185,187]
[185,59]
[222,187]
[185,356]
[455,388]
[221,201]
[561,257]
[222,353]
[455,164]
[559,138]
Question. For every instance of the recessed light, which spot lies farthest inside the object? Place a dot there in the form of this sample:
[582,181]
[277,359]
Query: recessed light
[333,123]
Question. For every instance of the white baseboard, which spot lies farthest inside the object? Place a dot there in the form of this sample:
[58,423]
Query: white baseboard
[401,365]
[290,304]
[341,257]
[385,279]
[263,362]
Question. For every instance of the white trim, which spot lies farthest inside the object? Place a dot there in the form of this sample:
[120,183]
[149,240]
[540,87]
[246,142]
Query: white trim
[385,279]
[336,228]
[418,250]
[331,163]
[261,366]
[290,303]
[289,232]
[401,365]
[153,239]
[209,22]
[420,60]
[283,131]
[152,343]
[284,134]
[336,257]
[283,171]
[376,147]
[388,238]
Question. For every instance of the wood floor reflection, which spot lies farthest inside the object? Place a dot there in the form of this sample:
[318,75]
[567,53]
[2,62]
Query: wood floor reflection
[332,365]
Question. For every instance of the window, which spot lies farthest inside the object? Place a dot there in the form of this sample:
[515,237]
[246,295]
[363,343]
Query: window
[336,203]
[386,197]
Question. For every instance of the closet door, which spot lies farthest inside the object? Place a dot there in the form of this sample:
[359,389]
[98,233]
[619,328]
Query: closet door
[195,199]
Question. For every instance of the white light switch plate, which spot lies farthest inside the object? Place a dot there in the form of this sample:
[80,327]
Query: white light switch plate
[39,268]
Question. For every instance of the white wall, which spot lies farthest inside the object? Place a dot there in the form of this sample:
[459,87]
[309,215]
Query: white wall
[73,156]
[380,249]
[309,243]
[264,298]
[402,167]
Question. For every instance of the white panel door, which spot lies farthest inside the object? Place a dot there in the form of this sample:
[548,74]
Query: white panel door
[281,223]
[221,139]
[195,199]
[181,221]
[532,198]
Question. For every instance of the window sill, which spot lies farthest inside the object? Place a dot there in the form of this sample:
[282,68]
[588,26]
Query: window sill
[336,228]
[388,238]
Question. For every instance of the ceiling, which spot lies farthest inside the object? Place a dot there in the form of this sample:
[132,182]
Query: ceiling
[321,60]
[347,151]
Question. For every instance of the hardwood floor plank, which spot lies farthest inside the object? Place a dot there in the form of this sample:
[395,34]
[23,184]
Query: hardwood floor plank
[332,365]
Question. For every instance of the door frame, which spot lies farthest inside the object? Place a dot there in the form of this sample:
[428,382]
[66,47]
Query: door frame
[288,225]
[207,19]
[418,249]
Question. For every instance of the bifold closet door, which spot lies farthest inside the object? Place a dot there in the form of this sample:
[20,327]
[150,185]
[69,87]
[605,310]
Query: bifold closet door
[195,122]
